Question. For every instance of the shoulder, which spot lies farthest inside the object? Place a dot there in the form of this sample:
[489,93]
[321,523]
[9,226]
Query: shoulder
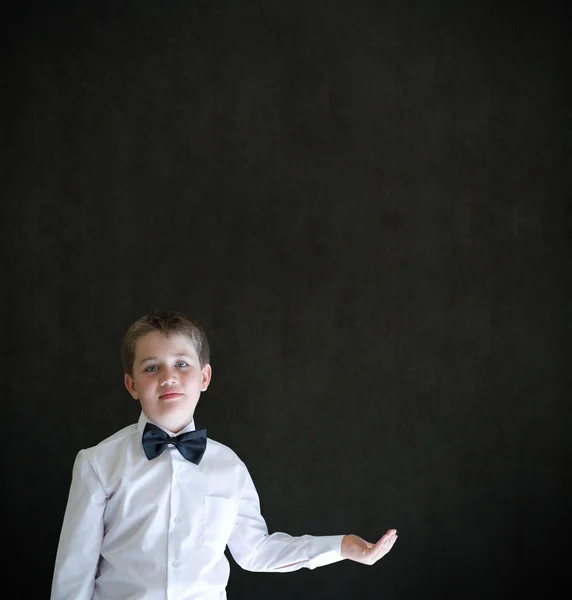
[109,447]
[221,452]
[110,459]
[111,443]
[224,464]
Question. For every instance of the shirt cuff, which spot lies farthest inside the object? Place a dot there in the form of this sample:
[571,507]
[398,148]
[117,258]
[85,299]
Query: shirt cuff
[326,550]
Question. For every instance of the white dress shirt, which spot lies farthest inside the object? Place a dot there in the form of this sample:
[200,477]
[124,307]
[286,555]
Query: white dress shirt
[136,529]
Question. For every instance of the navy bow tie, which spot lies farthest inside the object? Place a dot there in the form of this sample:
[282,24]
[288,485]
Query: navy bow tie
[191,445]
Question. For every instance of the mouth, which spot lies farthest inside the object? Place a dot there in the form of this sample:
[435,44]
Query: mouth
[170,396]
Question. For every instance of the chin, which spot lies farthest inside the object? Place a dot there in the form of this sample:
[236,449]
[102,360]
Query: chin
[175,420]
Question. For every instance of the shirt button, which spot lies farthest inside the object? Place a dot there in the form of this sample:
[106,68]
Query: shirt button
[175,564]
[177,520]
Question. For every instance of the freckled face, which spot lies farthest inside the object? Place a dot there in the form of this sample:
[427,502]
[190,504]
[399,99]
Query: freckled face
[167,379]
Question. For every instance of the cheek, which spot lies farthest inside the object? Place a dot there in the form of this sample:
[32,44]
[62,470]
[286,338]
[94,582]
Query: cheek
[144,385]
[192,380]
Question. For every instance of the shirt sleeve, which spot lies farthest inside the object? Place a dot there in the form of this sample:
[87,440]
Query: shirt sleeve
[81,535]
[254,549]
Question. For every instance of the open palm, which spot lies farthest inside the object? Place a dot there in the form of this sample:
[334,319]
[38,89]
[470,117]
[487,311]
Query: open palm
[359,550]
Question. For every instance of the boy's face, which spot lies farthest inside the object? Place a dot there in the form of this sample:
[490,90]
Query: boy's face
[167,379]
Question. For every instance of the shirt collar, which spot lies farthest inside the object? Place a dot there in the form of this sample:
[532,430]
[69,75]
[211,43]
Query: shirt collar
[143,420]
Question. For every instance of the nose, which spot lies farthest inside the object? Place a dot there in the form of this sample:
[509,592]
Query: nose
[168,376]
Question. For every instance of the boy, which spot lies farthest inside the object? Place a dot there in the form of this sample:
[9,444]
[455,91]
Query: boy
[152,508]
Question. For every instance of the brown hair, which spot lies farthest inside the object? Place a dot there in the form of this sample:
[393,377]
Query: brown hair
[166,322]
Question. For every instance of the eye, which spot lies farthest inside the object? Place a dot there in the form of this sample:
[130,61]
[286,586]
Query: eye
[182,363]
[151,368]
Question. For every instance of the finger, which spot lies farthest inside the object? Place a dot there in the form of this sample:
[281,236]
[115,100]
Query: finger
[383,546]
[388,535]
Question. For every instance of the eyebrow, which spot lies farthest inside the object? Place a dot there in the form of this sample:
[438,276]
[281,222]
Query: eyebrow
[180,355]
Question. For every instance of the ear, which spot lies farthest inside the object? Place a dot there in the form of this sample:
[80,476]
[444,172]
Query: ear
[130,385]
[206,375]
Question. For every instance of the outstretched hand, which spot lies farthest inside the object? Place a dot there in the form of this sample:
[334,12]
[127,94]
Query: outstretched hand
[358,550]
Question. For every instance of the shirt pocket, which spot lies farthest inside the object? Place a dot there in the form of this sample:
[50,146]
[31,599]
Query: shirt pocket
[220,515]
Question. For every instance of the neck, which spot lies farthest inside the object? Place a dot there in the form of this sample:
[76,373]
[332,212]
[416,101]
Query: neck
[173,426]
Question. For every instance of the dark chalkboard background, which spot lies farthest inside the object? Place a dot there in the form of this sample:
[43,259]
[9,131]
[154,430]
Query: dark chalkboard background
[366,204]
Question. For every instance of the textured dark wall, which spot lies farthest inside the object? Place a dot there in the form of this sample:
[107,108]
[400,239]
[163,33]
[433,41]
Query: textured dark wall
[366,206]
